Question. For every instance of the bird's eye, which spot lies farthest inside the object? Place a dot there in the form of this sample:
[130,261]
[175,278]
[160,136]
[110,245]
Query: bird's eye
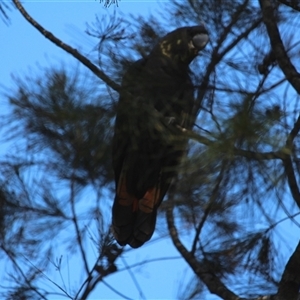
[200,40]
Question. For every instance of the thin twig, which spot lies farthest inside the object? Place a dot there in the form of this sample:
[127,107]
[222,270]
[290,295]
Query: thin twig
[281,154]
[208,209]
[216,57]
[75,222]
[134,279]
[25,277]
[115,291]
[142,263]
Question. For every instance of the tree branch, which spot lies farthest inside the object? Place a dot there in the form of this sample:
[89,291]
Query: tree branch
[293,77]
[288,164]
[293,134]
[216,57]
[47,34]
[77,230]
[291,178]
[202,271]
[281,154]
[211,202]
[20,270]
[277,46]
[289,284]
[291,3]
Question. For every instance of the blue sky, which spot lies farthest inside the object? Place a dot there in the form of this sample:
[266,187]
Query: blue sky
[27,50]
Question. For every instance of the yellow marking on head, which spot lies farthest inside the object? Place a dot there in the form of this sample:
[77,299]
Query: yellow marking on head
[165,48]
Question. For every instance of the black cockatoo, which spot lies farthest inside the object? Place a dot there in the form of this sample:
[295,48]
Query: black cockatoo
[155,104]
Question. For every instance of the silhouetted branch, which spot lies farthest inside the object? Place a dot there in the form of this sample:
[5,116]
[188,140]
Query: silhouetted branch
[137,285]
[291,178]
[289,284]
[108,3]
[3,14]
[293,77]
[104,266]
[281,154]
[294,4]
[208,208]
[277,46]
[94,280]
[217,56]
[20,270]
[116,291]
[293,134]
[147,261]
[78,233]
[203,272]
[65,293]
[47,34]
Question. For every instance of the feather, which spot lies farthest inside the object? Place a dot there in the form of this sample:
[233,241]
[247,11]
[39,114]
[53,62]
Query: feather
[156,99]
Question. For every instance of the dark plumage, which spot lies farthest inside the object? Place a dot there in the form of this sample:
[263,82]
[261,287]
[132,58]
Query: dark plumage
[156,100]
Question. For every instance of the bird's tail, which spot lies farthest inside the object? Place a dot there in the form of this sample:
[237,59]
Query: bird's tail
[134,219]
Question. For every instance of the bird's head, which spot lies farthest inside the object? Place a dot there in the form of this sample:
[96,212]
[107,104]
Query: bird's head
[183,44]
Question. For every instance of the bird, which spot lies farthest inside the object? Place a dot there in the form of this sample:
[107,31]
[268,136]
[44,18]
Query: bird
[155,104]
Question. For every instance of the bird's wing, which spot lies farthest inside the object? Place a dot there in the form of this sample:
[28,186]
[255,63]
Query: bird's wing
[156,100]
[139,148]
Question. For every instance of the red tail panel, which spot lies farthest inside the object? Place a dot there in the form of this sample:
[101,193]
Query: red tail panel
[134,219]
